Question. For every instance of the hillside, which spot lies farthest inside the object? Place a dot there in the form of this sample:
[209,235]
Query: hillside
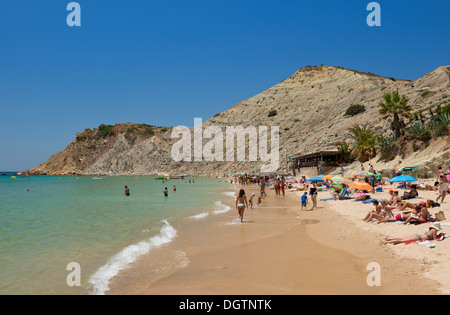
[308,107]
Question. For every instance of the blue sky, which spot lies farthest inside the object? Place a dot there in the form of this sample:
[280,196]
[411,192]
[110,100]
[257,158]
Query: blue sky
[166,62]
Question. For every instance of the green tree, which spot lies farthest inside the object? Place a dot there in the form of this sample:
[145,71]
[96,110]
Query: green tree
[344,149]
[366,140]
[397,106]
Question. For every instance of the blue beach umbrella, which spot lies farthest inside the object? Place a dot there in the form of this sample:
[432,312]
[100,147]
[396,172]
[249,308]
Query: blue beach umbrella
[316,179]
[402,179]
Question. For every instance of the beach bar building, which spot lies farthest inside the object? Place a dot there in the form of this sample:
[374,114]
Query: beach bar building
[321,161]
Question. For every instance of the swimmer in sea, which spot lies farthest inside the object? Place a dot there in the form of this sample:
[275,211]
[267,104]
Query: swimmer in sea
[165,192]
[127,191]
[241,204]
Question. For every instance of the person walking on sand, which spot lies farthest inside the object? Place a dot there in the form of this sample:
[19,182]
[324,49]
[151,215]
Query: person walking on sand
[442,188]
[440,172]
[313,193]
[241,204]
[127,191]
[263,187]
[304,200]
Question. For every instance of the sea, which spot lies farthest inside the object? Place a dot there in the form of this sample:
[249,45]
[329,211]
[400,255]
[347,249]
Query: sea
[73,234]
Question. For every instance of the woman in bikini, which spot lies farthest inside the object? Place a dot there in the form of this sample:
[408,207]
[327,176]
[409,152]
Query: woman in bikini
[313,193]
[375,213]
[395,201]
[442,188]
[423,215]
[402,216]
[431,235]
[241,204]
[382,211]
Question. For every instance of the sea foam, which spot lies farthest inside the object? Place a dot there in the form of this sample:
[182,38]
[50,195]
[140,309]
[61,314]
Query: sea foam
[100,279]
[199,216]
[221,208]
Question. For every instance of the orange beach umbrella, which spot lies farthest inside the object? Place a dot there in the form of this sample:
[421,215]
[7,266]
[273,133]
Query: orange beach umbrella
[360,185]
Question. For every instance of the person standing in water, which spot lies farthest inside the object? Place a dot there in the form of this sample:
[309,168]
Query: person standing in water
[127,191]
[241,204]
[165,192]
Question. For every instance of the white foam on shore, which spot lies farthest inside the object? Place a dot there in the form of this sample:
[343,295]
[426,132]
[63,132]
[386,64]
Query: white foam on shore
[199,216]
[221,208]
[230,194]
[100,279]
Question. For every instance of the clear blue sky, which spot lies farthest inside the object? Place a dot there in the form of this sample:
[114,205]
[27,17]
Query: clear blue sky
[166,62]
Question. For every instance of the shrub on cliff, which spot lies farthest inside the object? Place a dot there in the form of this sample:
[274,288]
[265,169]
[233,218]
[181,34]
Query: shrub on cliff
[105,130]
[355,110]
[272,113]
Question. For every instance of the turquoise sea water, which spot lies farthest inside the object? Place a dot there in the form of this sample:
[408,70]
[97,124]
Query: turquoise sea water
[48,222]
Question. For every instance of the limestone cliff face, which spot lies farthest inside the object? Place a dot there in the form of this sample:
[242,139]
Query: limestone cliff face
[309,105]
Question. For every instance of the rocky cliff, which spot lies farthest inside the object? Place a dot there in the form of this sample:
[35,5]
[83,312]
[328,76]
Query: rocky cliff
[308,107]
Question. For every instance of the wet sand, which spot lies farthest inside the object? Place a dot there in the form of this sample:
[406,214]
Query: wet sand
[277,250]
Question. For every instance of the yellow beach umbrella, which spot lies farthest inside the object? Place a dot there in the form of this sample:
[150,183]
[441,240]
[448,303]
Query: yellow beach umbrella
[327,177]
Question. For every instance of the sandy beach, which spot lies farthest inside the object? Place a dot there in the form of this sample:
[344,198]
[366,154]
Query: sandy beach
[352,234]
[281,250]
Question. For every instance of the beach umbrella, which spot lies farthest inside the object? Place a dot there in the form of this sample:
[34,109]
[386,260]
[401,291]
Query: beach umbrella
[350,176]
[360,185]
[327,177]
[316,179]
[292,181]
[402,179]
[335,178]
[362,174]
[406,169]
[338,185]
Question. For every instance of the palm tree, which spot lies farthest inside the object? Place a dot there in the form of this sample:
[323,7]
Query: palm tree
[366,139]
[345,150]
[395,105]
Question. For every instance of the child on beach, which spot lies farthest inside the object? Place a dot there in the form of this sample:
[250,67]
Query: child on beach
[250,201]
[304,200]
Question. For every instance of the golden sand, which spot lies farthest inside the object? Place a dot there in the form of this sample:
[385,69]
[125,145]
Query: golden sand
[281,250]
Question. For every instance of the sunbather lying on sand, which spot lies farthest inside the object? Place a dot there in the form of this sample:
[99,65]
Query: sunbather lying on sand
[431,235]
[402,216]
[412,193]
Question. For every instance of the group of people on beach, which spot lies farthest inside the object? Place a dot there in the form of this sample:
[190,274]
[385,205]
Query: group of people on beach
[411,212]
